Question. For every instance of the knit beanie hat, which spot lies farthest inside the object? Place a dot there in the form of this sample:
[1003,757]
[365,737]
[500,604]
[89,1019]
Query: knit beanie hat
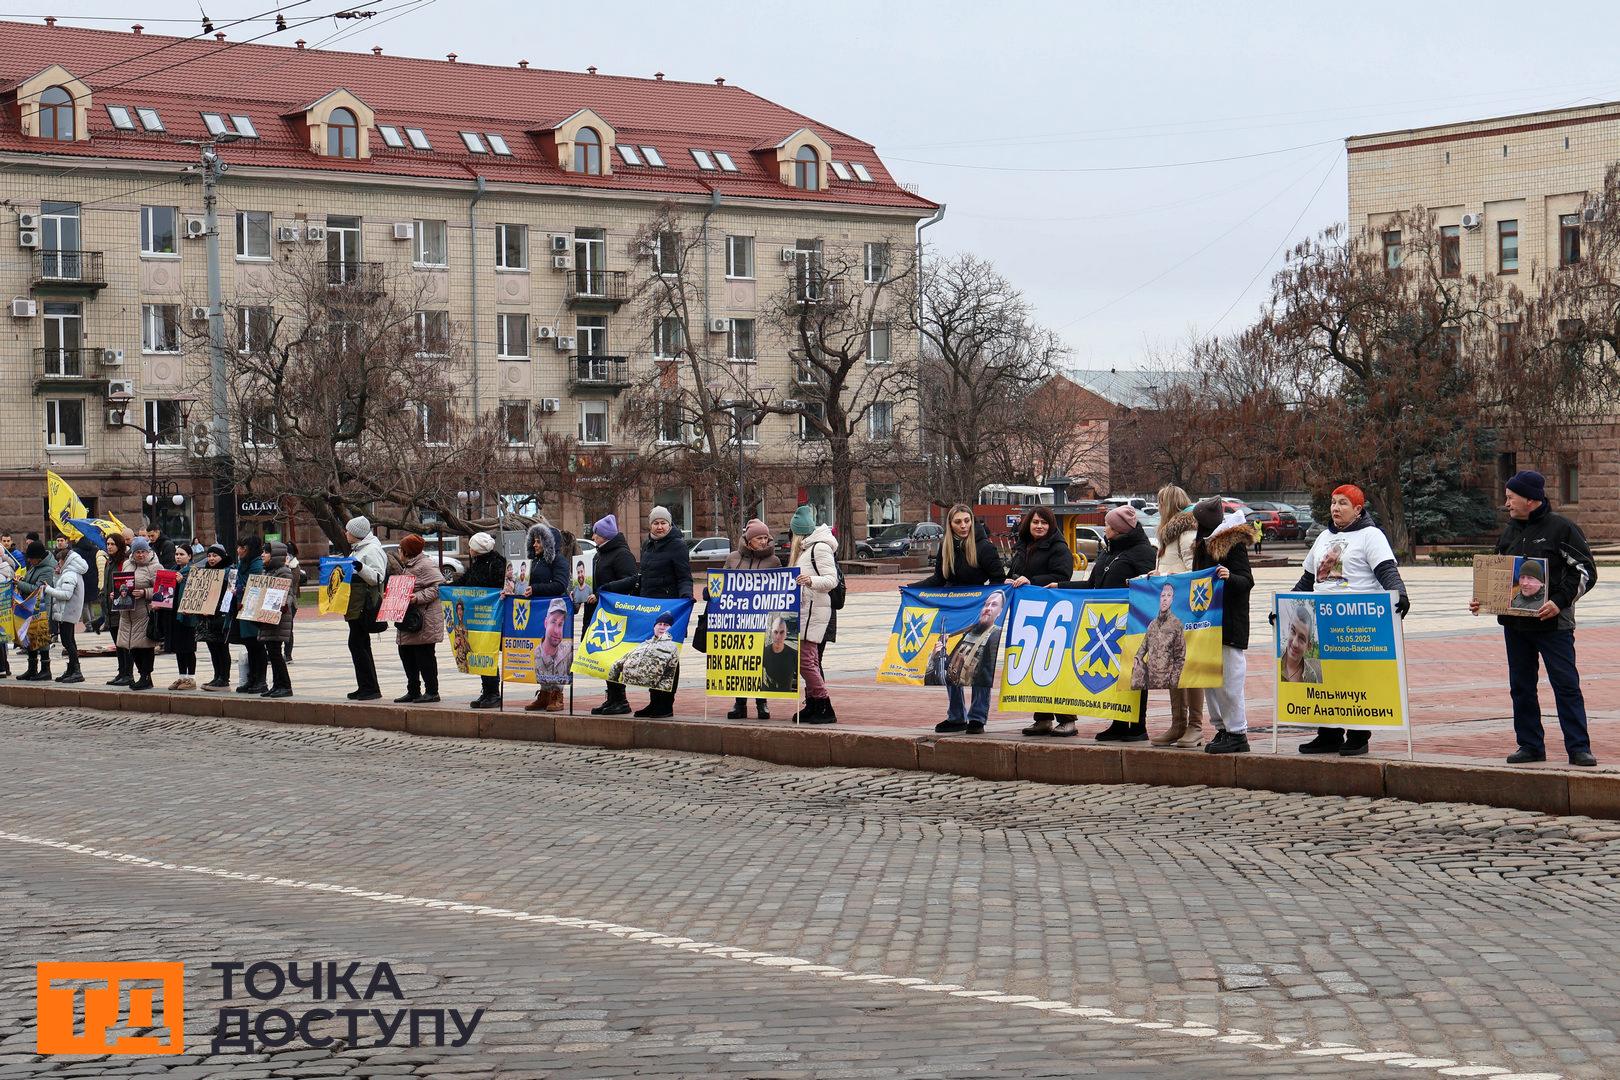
[36,550]
[358,527]
[755,529]
[1531,569]
[607,528]
[660,513]
[411,546]
[481,543]
[804,521]
[1208,514]
[1529,484]
[137,545]
[1121,519]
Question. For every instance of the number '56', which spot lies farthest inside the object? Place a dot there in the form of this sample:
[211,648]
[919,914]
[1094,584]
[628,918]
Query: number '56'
[1035,650]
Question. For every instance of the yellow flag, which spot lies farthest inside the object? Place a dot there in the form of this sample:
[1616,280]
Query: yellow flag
[65,504]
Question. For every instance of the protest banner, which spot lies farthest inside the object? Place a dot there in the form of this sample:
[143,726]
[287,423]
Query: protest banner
[8,621]
[634,640]
[537,640]
[472,621]
[1065,654]
[753,639]
[203,586]
[1510,584]
[945,636]
[396,597]
[332,598]
[582,577]
[264,598]
[1173,634]
[164,587]
[1341,661]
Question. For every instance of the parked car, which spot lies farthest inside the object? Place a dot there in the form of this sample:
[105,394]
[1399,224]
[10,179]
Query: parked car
[586,546]
[1305,517]
[1314,531]
[452,565]
[709,552]
[889,541]
[1088,544]
[925,539]
[1276,525]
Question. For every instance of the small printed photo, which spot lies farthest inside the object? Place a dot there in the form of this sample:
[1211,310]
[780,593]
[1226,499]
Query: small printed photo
[1529,584]
[1298,647]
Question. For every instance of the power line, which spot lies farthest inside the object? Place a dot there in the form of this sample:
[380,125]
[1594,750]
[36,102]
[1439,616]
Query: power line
[171,44]
[1121,168]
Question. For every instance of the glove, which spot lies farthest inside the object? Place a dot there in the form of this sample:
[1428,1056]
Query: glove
[1402,606]
[1271,618]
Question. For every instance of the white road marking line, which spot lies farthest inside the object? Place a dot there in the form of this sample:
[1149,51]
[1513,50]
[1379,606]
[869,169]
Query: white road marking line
[660,939]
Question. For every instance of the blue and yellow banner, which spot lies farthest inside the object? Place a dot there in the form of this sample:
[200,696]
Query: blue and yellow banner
[945,637]
[753,634]
[1341,661]
[69,515]
[1066,654]
[634,640]
[537,640]
[8,624]
[472,622]
[1173,635]
[332,598]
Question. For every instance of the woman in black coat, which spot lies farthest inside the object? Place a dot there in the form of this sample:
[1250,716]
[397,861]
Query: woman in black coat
[1222,543]
[615,563]
[1129,555]
[665,574]
[1042,558]
[486,571]
[967,559]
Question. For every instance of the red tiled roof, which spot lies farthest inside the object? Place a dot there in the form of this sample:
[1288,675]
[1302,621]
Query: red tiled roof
[267,82]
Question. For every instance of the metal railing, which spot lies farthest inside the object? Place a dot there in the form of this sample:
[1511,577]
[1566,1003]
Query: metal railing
[599,286]
[599,371]
[76,362]
[68,268]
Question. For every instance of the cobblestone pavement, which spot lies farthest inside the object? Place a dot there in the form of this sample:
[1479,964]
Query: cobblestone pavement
[645,914]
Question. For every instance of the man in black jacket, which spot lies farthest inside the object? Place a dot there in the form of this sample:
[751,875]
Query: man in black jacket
[1535,532]
[614,564]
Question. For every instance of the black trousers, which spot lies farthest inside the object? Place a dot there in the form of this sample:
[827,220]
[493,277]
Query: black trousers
[276,653]
[491,685]
[126,665]
[70,644]
[365,667]
[219,655]
[183,643]
[421,668]
[142,660]
[258,661]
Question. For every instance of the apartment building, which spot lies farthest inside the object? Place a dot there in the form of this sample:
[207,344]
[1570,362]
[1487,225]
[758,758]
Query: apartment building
[1508,194]
[507,196]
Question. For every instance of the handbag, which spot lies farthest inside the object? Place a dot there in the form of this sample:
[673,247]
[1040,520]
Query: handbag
[700,636]
[412,622]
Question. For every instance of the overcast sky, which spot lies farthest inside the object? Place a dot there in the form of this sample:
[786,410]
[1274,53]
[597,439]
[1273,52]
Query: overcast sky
[1051,130]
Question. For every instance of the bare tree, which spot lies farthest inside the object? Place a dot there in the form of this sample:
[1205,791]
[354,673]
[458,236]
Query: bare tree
[1058,429]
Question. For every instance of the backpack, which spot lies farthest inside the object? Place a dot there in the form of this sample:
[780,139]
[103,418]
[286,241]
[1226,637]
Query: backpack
[838,593]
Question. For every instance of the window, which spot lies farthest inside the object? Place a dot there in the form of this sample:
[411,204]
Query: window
[878,342]
[593,422]
[515,423]
[215,123]
[1392,250]
[807,169]
[812,414]
[432,243]
[474,143]
[56,115]
[511,247]
[433,420]
[739,256]
[678,501]
[588,152]
[512,336]
[740,340]
[418,139]
[1451,340]
[882,505]
[629,154]
[259,425]
[244,126]
[433,333]
[860,172]
[150,120]
[654,158]
[808,278]
[255,327]
[160,328]
[877,263]
[1451,251]
[120,118]
[64,424]
[1507,247]
[704,161]
[253,234]
[64,339]
[390,136]
[162,420]
[1507,340]
[839,169]
[590,335]
[670,429]
[1570,480]
[750,426]
[158,228]
[726,164]
[342,134]
[1569,239]
[497,143]
[667,253]
[880,420]
[668,337]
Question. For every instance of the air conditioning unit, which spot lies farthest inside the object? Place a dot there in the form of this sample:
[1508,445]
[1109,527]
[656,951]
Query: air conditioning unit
[791,403]
[404,230]
[120,389]
[287,234]
[544,333]
[559,243]
[28,238]
[112,357]
[789,254]
[562,262]
[22,308]
[199,313]
[646,249]
[196,228]
[315,233]
[1472,221]
[27,221]
[565,343]
[719,326]
[115,417]
[1592,213]
[550,404]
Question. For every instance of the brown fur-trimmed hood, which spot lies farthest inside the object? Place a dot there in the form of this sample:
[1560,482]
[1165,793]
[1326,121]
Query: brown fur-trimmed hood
[1183,522]
[1221,543]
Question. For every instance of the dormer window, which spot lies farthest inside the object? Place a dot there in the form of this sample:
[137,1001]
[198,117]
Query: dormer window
[244,126]
[120,118]
[56,114]
[418,138]
[704,161]
[726,164]
[588,152]
[215,123]
[150,120]
[497,143]
[807,169]
[390,136]
[839,169]
[342,134]
[861,173]
[629,154]
[653,157]
[474,144]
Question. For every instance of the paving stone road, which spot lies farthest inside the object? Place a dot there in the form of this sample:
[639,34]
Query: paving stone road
[667,915]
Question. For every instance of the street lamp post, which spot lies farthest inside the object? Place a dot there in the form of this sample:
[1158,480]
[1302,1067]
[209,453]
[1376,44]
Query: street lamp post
[167,489]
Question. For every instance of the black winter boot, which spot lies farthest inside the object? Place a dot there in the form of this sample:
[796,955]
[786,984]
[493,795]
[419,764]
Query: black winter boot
[823,713]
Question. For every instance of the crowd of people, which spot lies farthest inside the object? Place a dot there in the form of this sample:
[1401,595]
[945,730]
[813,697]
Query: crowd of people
[73,583]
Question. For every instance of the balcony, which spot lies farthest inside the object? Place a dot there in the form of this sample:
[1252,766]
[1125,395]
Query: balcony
[815,287]
[598,288]
[599,373]
[68,272]
[360,281]
[59,368]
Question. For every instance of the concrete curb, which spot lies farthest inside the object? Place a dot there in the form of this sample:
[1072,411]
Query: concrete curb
[1547,790]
